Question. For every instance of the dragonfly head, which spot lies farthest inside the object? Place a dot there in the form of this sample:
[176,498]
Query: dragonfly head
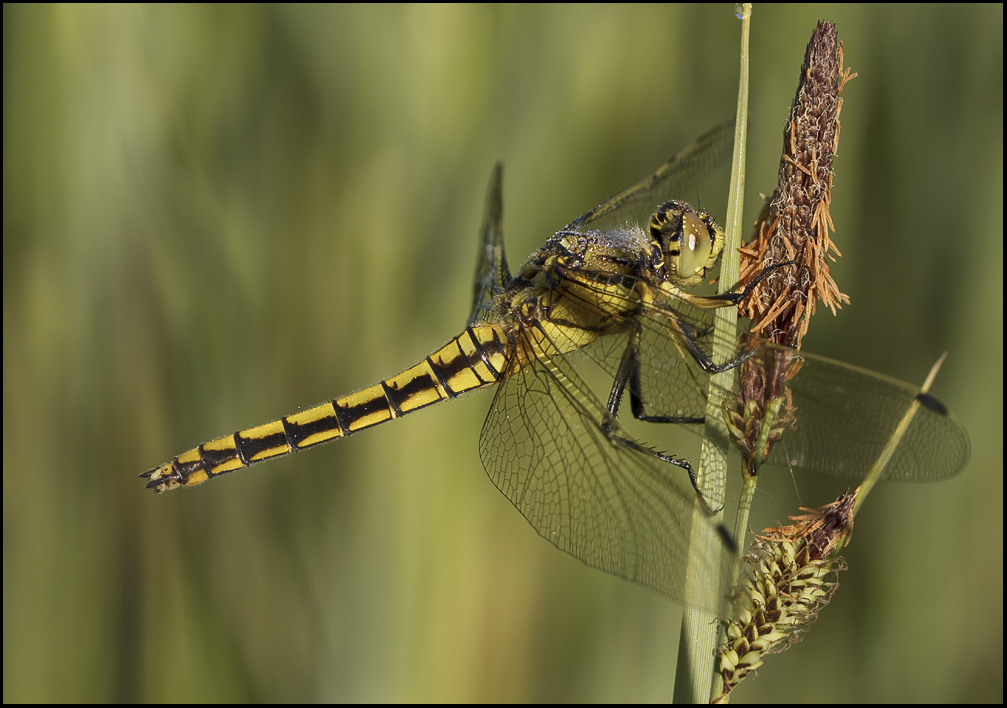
[690,240]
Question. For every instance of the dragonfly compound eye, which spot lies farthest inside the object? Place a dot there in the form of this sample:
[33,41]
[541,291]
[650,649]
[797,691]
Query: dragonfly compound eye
[691,240]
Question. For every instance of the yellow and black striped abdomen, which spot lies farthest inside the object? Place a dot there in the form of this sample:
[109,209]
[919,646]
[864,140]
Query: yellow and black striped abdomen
[473,359]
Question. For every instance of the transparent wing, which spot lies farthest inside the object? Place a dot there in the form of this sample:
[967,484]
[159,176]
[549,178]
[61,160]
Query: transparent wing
[613,507]
[845,414]
[672,180]
[492,273]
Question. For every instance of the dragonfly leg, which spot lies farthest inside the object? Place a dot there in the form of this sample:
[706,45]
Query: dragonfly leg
[628,365]
[701,357]
[635,446]
[629,373]
[687,334]
[710,302]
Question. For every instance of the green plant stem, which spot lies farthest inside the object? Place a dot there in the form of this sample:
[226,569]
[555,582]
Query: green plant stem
[698,638]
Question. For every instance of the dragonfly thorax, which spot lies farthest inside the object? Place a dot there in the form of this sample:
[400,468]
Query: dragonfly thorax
[590,276]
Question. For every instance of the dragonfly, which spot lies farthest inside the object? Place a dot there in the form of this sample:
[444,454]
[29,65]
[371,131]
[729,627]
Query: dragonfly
[612,287]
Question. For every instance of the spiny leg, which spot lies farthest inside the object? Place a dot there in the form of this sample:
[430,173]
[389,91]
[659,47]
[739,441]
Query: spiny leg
[629,371]
[711,302]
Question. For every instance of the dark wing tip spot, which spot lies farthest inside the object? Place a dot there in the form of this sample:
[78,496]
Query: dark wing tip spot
[928,401]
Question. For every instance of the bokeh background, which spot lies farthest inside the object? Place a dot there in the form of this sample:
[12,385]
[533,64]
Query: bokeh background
[214,216]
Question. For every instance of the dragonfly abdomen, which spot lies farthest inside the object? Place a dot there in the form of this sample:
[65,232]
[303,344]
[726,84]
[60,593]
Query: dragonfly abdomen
[474,359]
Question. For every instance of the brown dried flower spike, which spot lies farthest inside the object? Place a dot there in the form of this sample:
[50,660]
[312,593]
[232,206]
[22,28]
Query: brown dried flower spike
[792,229]
[794,224]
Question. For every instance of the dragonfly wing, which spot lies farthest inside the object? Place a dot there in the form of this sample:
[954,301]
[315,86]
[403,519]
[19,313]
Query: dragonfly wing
[492,272]
[672,180]
[613,507]
[846,416]
[672,383]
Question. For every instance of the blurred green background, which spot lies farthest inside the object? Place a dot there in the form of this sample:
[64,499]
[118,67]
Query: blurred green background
[214,216]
